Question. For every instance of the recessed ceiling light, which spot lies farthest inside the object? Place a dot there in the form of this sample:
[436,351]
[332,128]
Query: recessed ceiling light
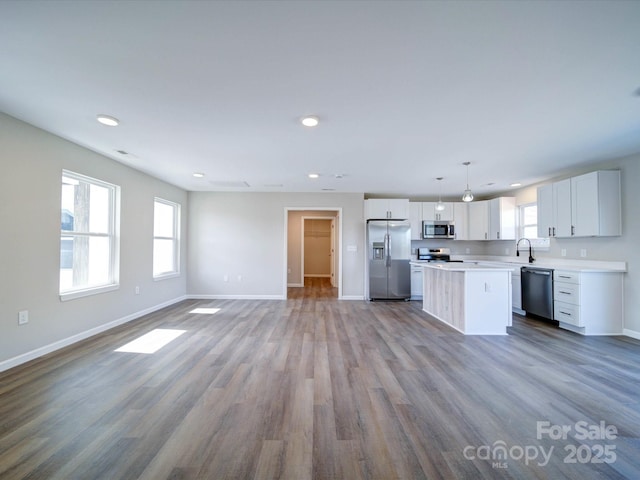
[310,121]
[314,175]
[516,184]
[108,120]
[198,175]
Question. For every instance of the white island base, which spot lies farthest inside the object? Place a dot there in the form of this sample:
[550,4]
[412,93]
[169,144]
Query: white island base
[473,299]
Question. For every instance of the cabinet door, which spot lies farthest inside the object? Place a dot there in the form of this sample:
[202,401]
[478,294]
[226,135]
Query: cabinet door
[516,292]
[416,282]
[461,220]
[376,208]
[562,208]
[399,208]
[479,220]
[428,211]
[545,211]
[415,218]
[584,205]
[502,218]
[445,215]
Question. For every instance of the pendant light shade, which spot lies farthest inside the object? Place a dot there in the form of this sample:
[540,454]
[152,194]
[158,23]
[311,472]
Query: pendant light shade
[439,205]
[467,196]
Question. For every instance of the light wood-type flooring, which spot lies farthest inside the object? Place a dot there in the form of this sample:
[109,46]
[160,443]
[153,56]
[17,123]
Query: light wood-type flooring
[317,388]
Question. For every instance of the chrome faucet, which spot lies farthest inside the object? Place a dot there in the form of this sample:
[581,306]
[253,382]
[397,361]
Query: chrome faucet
[531,259]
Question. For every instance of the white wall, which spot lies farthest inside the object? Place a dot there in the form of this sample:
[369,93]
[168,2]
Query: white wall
[243,234]
[32,162]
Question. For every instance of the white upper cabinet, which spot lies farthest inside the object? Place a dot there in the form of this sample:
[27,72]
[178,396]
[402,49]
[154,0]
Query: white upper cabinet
[595,204]
[397,208]
[429,212]
[502,218]
[554,209]
[479,220]
[461,219]
[562,208]
[582,206]
[415,218]
[492,219]
[546,218]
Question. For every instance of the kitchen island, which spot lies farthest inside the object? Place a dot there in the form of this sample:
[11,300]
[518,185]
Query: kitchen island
[473,299]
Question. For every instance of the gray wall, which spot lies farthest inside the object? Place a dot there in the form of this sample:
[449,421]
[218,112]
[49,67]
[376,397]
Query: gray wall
[243,234]
[32,162]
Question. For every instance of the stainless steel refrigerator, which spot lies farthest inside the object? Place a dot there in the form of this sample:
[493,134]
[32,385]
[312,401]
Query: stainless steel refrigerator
[389,253]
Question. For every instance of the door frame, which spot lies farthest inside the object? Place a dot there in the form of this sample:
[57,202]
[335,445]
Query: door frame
[332,246]
[337,249]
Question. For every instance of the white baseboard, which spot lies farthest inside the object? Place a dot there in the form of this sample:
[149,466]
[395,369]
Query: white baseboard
[65,342]
[295,285]
[236,297]
[352,297]
[631,333]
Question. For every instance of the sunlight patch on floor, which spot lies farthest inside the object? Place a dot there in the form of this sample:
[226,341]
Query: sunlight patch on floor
[151,342]
[205,310]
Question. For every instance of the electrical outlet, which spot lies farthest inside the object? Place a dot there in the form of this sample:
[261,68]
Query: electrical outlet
[583,252]
[563,252]
[468,250]
[137,290]
[23,317]
[506,251]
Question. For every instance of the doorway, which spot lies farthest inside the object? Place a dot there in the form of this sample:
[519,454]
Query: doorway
[313,261]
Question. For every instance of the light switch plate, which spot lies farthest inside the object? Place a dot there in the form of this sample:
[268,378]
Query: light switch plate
[23,317]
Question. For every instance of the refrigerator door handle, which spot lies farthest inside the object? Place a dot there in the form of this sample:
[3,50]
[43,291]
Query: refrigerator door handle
[387,253]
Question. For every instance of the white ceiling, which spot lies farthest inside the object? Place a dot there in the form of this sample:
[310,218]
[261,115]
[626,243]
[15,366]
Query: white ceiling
[405,91]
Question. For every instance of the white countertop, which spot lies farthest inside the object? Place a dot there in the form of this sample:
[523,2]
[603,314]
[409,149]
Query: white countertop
[587,266]
[463,267]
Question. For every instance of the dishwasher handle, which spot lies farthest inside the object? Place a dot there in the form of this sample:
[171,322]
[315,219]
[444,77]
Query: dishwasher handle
[537,272]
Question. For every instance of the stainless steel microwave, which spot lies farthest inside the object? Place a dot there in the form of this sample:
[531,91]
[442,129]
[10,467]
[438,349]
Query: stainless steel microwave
[432,229]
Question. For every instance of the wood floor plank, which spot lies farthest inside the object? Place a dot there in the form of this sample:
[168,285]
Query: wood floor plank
[314,388]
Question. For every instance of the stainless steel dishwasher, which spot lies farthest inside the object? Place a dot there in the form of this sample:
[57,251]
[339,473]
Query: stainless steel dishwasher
[537,291]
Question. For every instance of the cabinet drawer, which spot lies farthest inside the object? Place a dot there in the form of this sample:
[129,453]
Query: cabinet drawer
[567,313]
[566,277]
[566,292]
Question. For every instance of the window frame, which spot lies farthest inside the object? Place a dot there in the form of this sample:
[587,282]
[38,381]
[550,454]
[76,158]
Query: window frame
[113,234]
[175,238]
[536,242]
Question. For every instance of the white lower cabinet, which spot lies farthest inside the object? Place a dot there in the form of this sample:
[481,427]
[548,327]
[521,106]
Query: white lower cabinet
[416,283]
[589,303]
[516,291]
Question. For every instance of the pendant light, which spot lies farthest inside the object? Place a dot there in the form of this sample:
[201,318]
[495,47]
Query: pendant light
[467,196]
[440,205]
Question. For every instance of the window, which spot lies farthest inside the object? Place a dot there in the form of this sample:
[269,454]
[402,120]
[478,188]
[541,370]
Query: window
[89,236]
[166,238]
[529,221]
[528,226]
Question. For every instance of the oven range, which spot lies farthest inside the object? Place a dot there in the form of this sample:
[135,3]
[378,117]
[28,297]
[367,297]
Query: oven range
[434,255]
